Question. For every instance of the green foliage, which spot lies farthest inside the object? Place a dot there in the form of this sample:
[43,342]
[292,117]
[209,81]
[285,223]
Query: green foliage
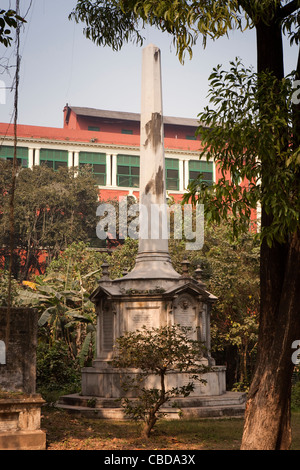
[52,210]
[57,373]
[67,322]
[8,21]
[115,22]
[80,263]
[233,268]
[296,395]
[157,352]
[4,279]
[249,133]
[123,258]
[62,298]
[240,387]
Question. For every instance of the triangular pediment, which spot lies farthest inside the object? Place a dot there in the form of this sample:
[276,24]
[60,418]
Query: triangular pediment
[103,291]
[193,288]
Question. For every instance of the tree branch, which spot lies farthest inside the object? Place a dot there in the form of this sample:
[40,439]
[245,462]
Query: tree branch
[288,9]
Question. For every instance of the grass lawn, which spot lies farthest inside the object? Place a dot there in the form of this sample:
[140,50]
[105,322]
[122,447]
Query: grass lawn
[65,432]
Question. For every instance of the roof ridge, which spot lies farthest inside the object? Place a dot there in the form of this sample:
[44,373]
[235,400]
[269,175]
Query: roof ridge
[96,112]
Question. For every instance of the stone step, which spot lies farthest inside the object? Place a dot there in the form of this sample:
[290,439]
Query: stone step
[231,404]
[195,412]
[89,401]
[88,412]
[228,398]
[229,411]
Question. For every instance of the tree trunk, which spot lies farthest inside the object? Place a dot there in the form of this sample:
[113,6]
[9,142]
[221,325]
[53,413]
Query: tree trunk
[269,48]
[149,425]
[152,417]
[268,417]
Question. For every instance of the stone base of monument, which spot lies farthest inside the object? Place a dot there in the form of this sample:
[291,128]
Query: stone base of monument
[20,423]
[101,392]
[129,304]
[229,404]
[107,382]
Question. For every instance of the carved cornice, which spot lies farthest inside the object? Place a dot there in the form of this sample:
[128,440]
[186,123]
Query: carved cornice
[73,145]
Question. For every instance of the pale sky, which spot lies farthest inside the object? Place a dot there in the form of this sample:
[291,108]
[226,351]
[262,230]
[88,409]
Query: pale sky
[59,65]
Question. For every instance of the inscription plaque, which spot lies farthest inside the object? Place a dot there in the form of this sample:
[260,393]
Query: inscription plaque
[108,331]
[199,387]
[2,353]
[184,315]
[137,318]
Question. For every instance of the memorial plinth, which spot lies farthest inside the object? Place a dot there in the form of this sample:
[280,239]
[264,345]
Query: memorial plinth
[20,420]
[153,294]
[20,406]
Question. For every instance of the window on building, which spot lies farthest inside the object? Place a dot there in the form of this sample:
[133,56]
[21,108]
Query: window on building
[205,168]
[127,131]
[128,171]
[98,163]
[172,174]
[7,152]
[54,158]
[94,128]
[191,137]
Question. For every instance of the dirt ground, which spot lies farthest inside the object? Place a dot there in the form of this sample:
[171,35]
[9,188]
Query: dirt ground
[67,432]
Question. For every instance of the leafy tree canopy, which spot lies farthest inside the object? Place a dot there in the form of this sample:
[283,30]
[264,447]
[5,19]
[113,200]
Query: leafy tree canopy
[52,210]
[8,20]
[116,22]
[243,132]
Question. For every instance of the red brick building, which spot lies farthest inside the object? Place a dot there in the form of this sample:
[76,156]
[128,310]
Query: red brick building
[109,141]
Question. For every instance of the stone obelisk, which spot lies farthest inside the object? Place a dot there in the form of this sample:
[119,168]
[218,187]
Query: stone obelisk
[153,259]
[153,294]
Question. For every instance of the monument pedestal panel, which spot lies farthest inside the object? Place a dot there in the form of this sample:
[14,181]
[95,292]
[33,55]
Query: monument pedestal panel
[107,382]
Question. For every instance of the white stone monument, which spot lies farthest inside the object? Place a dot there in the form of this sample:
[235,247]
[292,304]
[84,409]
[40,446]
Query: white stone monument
[153,294]
[153,259]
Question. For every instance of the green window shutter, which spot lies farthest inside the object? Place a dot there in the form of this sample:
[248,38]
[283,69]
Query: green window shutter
[191,137]
[172,174]
[54,158]
[127,131]
[205,168]
[7,152]
[94,128]
[98,163]
[128,171]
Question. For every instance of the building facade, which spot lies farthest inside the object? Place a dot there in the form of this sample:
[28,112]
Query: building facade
[109,142]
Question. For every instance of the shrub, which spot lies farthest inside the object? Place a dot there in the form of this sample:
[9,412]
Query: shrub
[157,352]
[57,373]
[296,396]
[4,280]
